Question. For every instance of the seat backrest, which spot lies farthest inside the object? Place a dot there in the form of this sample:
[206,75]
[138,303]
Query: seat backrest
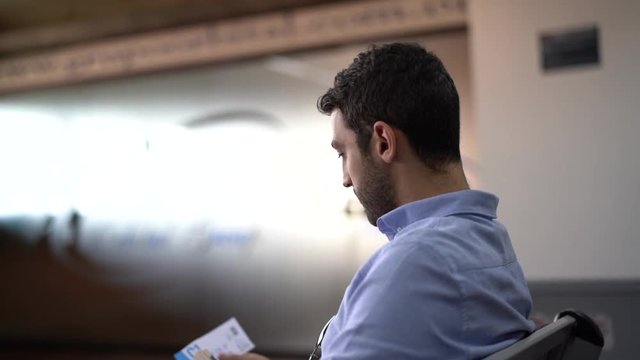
[571,336]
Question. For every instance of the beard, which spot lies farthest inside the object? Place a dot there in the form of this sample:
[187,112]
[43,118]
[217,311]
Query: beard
[375,193]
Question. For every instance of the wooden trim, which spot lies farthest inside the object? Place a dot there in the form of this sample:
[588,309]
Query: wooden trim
[252,36]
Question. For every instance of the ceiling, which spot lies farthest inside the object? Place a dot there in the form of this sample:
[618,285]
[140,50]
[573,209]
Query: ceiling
[35,25]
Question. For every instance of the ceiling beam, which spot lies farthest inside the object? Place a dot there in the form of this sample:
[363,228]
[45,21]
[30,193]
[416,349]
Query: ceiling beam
[226,40]
[36,25]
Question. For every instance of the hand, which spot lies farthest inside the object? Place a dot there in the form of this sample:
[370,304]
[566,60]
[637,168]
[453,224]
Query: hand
[249,356]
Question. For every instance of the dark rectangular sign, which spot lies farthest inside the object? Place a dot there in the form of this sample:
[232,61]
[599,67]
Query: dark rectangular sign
[569,48]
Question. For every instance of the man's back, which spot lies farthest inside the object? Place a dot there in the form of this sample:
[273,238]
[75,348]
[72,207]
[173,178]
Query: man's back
[446,286]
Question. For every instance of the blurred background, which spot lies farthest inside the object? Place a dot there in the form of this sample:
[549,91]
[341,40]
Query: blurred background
[163,166]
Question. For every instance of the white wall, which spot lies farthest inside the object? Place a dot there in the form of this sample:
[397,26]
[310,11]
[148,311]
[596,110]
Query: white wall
[561,148]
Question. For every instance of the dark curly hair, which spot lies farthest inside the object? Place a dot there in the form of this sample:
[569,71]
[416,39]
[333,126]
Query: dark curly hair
[407,87]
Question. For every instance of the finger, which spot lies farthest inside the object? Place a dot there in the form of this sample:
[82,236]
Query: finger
[229,357]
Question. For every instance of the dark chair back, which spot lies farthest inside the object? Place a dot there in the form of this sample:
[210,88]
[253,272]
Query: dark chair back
[571,336]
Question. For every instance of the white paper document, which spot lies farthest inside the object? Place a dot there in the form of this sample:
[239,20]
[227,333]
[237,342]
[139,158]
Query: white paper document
[228,338]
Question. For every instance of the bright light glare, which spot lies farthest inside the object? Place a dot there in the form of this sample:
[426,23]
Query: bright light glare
[32,157]
[225,172]
[109,162]
[231,175]
[170,173]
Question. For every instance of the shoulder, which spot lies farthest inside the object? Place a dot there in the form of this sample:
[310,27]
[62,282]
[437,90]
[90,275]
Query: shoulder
[401,272]
[404,303]
[408,252]
[460,243]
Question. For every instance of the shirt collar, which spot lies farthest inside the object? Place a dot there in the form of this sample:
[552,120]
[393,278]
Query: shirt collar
[454,203]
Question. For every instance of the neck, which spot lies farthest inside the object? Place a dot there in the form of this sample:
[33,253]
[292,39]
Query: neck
[420,183]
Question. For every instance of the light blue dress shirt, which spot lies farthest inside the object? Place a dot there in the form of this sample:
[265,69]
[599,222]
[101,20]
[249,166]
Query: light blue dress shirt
[447,285]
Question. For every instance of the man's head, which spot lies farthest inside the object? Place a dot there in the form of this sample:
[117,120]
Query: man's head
[390,92]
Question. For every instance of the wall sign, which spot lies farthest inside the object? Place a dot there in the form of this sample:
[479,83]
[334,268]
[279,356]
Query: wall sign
[570,48]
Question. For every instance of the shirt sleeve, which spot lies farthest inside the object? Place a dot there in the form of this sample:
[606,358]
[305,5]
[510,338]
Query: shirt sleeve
[406,306]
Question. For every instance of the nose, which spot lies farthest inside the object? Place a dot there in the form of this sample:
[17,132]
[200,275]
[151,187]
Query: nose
[346,180]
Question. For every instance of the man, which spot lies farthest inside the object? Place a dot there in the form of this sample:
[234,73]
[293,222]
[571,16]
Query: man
[448,284]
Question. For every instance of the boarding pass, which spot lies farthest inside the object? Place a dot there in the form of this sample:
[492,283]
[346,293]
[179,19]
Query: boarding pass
[228,338]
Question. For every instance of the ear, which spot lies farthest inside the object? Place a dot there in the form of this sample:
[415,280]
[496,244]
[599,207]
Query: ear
[384,141]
